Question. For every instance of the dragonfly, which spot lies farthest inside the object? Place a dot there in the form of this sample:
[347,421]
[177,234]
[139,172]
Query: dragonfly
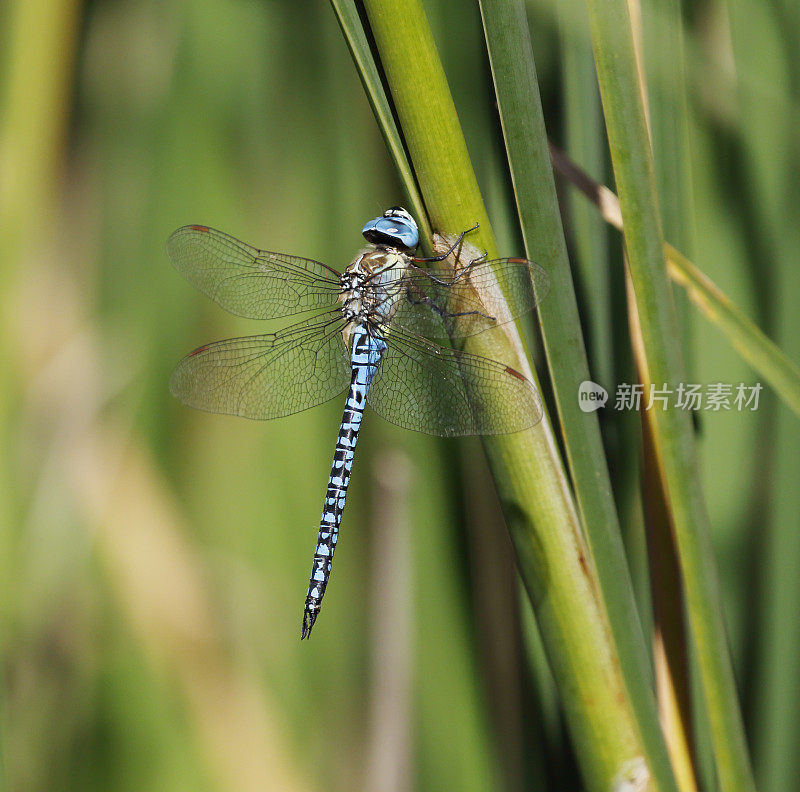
[384,330]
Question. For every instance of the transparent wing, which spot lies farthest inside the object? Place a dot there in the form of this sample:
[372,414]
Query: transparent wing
[477,297]
[249,282]
[440,391]
[267,376]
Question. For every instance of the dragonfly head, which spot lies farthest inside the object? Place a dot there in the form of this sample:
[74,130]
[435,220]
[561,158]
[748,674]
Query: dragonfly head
[395,227]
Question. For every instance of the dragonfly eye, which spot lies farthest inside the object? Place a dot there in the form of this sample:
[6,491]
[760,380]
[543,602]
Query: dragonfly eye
[396,228]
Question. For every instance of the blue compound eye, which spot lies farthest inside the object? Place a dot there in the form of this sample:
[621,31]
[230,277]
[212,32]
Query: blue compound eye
[396,228]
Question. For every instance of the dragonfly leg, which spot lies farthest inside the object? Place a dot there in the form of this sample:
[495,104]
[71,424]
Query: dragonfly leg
[460,274]
[425,300]
[452,247]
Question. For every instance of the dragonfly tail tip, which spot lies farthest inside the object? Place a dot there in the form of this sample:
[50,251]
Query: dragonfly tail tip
[309,617]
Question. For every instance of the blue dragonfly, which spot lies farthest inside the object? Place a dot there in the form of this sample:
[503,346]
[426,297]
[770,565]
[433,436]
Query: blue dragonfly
[382,330]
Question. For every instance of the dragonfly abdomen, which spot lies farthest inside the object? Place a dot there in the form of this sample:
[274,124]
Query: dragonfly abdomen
[366,355]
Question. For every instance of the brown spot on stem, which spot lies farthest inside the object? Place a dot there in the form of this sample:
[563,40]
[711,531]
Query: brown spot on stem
[515,373]
[584,565]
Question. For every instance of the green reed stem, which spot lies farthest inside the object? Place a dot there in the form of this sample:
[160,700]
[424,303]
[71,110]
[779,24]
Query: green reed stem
[632,159]
[514,71]
[530,477]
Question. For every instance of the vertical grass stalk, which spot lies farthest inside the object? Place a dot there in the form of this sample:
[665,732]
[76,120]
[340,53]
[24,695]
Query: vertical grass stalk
[633,168]
[533,487]
[514,71]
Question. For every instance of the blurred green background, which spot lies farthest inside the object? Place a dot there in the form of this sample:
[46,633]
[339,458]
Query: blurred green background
[154,560]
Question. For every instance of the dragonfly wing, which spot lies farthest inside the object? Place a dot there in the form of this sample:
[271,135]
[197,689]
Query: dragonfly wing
[267,376]
[428,388]
[479,296]
[249,282]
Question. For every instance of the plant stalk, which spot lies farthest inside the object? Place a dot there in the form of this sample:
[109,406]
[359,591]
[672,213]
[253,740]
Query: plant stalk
[533,487]
[631,156]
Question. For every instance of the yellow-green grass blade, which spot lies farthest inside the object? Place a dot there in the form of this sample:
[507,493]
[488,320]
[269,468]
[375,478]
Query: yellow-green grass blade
[514,72]
[664,81]
[36,64]
[767,358]
[631,156]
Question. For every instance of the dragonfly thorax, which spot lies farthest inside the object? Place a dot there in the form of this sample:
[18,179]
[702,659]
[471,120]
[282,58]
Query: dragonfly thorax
[371,286]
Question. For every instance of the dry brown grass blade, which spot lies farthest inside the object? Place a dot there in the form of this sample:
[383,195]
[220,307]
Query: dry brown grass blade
[670,628]
[750,342]
[111,482]
[670,652]
[159,584]
[390,742]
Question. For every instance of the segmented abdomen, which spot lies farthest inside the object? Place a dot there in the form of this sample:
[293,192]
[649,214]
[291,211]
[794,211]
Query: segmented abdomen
[366,354]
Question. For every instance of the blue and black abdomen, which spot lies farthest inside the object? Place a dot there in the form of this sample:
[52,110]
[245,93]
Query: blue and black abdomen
[366,354]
